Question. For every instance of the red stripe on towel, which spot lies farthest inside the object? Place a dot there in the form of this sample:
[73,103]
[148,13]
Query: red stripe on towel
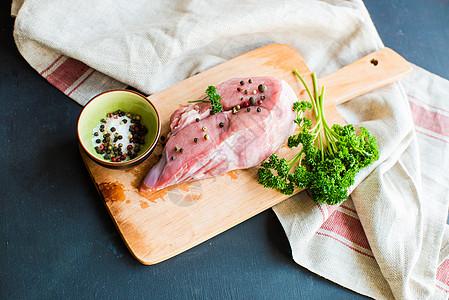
[427,104]
[430,120]
[432,136]
[348,227]
[331,208]
[78,85]
[349,209]
[322,211]
[51,65]
[67,73]
[345,244]
[443,273]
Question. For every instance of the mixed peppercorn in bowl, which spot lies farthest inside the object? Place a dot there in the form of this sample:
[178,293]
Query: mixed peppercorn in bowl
[119,128]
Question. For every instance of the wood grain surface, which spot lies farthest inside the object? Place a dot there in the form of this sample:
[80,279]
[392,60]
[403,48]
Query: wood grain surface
[158,225]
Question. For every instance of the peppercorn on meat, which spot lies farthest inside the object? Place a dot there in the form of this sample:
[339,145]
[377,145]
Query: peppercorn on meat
[256,121]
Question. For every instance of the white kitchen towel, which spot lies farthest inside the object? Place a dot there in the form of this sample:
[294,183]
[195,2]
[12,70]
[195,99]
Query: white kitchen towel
[389,240]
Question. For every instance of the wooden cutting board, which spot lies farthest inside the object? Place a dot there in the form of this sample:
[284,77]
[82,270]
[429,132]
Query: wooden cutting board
[156,226]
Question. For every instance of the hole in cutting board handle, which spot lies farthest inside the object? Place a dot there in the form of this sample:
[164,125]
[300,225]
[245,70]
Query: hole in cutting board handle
[374,62]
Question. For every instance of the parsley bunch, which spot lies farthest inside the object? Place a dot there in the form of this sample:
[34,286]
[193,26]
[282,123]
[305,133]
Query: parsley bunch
[329,158]
[213,98]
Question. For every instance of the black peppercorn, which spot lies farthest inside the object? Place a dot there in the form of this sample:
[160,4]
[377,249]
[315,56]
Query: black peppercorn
[221,124]
[252,101]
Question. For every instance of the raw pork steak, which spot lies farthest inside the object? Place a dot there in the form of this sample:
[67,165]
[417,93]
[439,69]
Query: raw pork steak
[236,139]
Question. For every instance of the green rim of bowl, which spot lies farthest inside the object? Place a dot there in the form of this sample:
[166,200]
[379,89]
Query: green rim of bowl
[128,101]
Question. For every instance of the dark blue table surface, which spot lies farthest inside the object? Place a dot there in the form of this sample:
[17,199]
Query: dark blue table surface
[57,239]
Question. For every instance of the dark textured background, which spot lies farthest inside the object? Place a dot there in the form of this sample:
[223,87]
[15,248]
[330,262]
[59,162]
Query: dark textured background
[57,239]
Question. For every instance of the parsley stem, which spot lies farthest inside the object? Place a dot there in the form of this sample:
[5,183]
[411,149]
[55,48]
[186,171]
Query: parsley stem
[304,84]
[199,100]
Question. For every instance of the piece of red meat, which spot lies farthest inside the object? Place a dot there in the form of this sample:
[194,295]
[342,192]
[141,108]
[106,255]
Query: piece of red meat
[244,140]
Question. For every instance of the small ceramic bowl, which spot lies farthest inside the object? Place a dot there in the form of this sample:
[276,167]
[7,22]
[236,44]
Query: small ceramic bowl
[127,101]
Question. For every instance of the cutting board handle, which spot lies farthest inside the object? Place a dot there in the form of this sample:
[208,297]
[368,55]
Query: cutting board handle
[373,71]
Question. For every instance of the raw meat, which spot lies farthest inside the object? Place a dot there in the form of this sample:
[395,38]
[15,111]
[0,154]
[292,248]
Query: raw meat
[244,139]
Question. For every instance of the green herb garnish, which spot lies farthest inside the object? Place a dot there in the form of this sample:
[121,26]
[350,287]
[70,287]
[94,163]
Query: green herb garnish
[213,98]
[329,159]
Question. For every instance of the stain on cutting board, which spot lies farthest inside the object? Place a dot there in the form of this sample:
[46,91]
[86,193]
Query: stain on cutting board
[112,191]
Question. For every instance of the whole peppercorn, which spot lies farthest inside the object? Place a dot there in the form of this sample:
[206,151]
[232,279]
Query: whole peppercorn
[221,124]
[252,101]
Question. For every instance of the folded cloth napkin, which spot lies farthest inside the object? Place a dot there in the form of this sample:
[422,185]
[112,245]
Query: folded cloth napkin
[389,239]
